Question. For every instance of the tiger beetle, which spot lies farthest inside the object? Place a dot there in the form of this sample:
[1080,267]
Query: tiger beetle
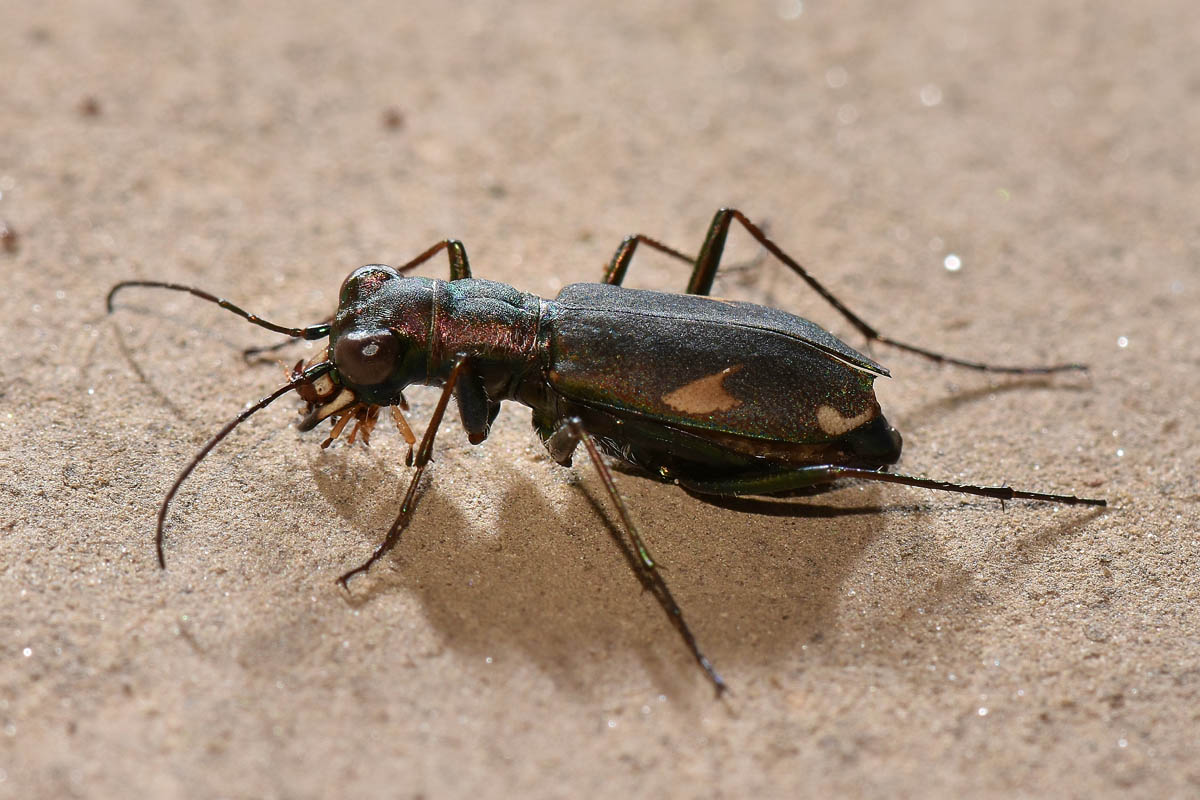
[721,398]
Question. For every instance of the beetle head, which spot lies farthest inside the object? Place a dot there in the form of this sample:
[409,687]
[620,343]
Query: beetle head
[378,341]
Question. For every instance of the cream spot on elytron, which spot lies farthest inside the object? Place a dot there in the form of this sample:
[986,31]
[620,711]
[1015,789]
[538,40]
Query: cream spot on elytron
[704,395]
[834,424]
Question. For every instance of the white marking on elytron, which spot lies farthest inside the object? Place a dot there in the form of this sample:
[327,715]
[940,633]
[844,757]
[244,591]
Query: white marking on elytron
[704,395]
[833,423]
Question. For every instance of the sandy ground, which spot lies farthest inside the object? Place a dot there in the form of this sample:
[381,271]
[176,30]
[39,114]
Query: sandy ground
[879,641]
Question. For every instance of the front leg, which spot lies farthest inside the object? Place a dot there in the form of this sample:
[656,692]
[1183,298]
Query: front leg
[424,456]
[475,408]
[455,251]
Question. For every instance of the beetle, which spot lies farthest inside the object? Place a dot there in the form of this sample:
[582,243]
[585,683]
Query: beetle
[719,397]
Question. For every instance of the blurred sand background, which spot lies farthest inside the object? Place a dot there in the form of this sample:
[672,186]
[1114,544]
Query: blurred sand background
[930,645]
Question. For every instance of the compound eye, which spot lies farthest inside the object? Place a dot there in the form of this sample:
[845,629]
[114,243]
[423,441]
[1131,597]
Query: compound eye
[365,280]
[366,359]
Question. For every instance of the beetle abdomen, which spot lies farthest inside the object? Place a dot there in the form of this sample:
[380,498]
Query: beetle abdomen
[704,363]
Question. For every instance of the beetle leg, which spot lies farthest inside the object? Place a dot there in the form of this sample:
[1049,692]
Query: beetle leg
[338,427]
[459,266]
[615,273]
[710,258]
[474,408]
[999,492]
[806,477]
[560,443]
[705,266]
[424,456]
[405,431]
[365,418]
[572,430]
[255,354]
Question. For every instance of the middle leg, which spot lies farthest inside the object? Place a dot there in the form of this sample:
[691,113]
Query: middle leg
[560,445]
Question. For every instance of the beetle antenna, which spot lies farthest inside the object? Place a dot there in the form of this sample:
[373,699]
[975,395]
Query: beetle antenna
[310,374]
[310,332]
